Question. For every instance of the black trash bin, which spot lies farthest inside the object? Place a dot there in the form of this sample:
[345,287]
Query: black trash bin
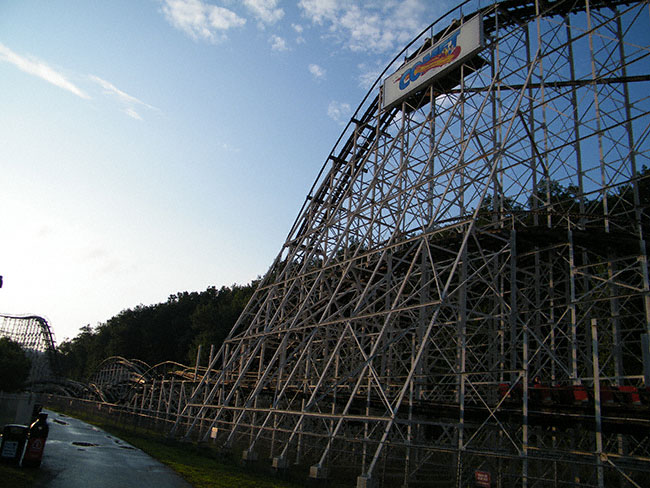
[13,443]
[36,442]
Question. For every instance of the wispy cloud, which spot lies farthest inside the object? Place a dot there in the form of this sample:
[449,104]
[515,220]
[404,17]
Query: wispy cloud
[320,11]
[299,30]
[40,69]
[278,43]
[113,90]
[200,20]
[128,100]
[317,71]
[265,10]
[132,113]
[339,112]
[372,26]
[368,74]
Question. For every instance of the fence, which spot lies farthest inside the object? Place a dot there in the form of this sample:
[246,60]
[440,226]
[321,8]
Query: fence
[16,408]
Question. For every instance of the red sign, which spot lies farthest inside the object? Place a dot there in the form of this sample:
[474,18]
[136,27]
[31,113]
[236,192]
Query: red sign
[483,479]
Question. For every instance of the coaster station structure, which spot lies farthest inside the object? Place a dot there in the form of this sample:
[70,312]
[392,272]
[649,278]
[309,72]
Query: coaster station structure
[463,298]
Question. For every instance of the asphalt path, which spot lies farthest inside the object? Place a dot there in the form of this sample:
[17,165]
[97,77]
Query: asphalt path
[79,455]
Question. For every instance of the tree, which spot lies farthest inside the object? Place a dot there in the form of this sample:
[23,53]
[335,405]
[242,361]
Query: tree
[14,365]
[168,331]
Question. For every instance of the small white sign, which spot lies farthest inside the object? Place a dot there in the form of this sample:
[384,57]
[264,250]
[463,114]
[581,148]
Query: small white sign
[438,59]
[9,449]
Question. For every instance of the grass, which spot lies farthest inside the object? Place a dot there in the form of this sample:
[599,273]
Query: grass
[200,466]
[14,477]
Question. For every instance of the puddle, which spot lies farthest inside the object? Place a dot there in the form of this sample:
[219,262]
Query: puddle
[119,443]
[61,422]
[84,444]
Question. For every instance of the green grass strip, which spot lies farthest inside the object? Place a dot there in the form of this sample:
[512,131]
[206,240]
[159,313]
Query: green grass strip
[15,477]
[201,466]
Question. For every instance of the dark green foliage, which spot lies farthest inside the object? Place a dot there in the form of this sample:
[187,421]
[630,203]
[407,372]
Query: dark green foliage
[14,365]
[173,330]
[169,331]
[212,321]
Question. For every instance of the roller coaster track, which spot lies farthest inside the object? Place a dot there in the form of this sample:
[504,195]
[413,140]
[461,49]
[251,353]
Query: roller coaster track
[126,382]
[360,141]
[465,290]
[464,294]
[33,333]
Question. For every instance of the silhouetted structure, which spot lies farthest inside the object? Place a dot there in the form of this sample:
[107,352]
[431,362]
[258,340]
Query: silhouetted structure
[464,296]
[33,333]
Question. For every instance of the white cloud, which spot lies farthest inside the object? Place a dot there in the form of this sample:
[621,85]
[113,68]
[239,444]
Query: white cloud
[377,26]
[369,75]
[320,10]
[339,112]
[200,20]
[123,97]
[265,10]
[40,69]
[132,113]
[44,71]
[366,31]
[299,30]
[317,71]
[112,89]
[278,43]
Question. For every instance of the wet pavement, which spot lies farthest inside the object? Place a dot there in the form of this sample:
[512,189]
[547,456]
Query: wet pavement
[79,455]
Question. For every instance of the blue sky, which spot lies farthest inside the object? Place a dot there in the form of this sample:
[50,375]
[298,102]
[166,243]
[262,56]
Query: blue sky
[155,146]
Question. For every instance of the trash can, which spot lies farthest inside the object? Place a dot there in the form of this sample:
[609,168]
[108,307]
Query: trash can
[36,442]
[35,411]
[13,443]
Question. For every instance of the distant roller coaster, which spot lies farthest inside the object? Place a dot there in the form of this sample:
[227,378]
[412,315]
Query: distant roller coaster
[33,333]
[138,386]
[464,297]
[35,336]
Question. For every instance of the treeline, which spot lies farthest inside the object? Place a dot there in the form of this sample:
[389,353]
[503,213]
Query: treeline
[169,331]
[173,330]
[14,365]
